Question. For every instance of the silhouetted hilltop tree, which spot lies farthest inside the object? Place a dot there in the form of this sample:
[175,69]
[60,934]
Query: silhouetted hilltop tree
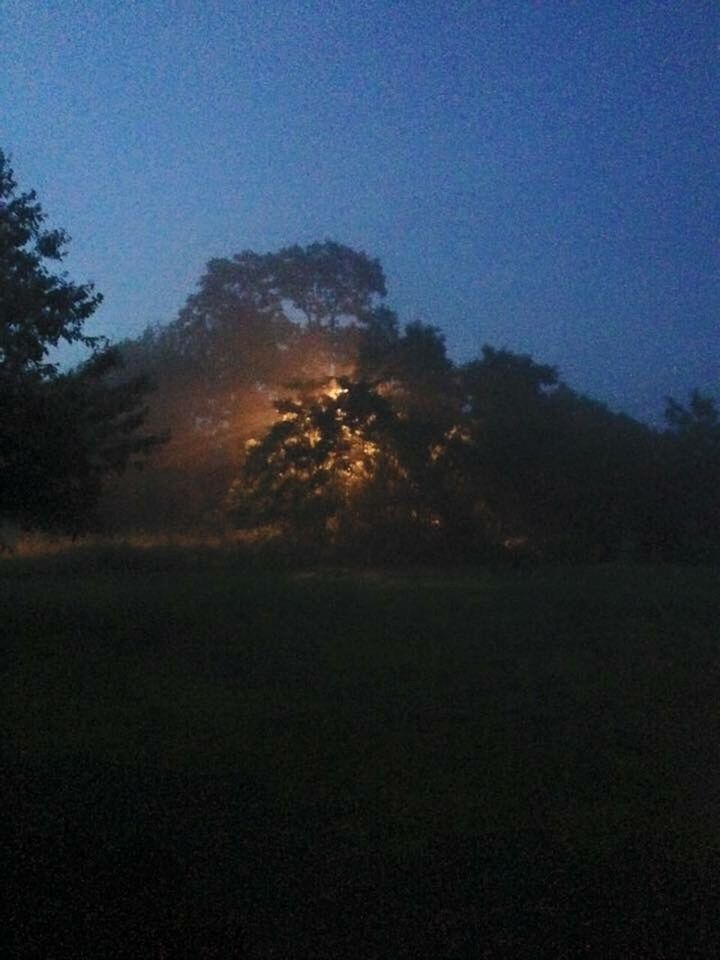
[247,320]
[329,283]
[257,324]
[287,381]
[60,434]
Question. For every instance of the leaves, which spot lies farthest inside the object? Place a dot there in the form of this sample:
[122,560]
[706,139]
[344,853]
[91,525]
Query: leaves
[60,434]
[37,308]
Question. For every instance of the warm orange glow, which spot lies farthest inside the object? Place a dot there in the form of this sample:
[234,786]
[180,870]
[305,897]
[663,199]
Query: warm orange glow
[334,390]
[459,432]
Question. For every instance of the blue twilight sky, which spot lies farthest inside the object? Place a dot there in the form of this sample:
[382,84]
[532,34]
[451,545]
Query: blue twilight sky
[540,175]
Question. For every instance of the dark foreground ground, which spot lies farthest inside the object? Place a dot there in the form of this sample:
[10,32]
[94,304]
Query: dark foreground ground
[205,761]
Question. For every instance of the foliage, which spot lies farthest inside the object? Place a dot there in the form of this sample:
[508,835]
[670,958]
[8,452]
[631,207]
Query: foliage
[351,462]
[287,381]
[256,324]
[38,308]
[60,433]
[262,319]
[691,476]
[323,463]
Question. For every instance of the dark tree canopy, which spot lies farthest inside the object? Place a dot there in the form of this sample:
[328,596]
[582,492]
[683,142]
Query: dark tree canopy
[257,327]
[38,308]
[302,410]
[690,482]
[338,468]
[60,433]
[299,406]
[323,448]
[322,284]
[328,282]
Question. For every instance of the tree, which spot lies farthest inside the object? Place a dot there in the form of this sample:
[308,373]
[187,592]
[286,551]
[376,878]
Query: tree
[310,464]
[288,381]
[339,469]
[418,374]
[541,466]
[60,433]
[38,309]
[328,282]
[497,456]
[257,328]
[257,322]
[691,476]
[260,320]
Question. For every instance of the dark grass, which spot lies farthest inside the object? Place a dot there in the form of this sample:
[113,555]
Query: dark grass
[205,759]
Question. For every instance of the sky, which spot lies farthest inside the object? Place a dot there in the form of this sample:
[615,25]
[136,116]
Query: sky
[542,176]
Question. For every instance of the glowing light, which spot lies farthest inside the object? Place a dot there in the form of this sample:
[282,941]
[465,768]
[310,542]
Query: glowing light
[459,433]
[334,389]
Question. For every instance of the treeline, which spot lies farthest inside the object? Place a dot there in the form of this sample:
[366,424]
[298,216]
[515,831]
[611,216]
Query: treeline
[61,433]
[303,415]
[289,406]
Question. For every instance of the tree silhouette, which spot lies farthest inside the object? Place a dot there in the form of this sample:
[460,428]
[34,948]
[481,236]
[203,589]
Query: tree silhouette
[312,469]
[60,433]
[288,381]
[256,329]
[691,475]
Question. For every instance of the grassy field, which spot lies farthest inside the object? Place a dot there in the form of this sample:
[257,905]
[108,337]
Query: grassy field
[202,759]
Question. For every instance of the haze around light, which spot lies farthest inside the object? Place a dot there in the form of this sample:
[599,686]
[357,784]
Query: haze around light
[540,176]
